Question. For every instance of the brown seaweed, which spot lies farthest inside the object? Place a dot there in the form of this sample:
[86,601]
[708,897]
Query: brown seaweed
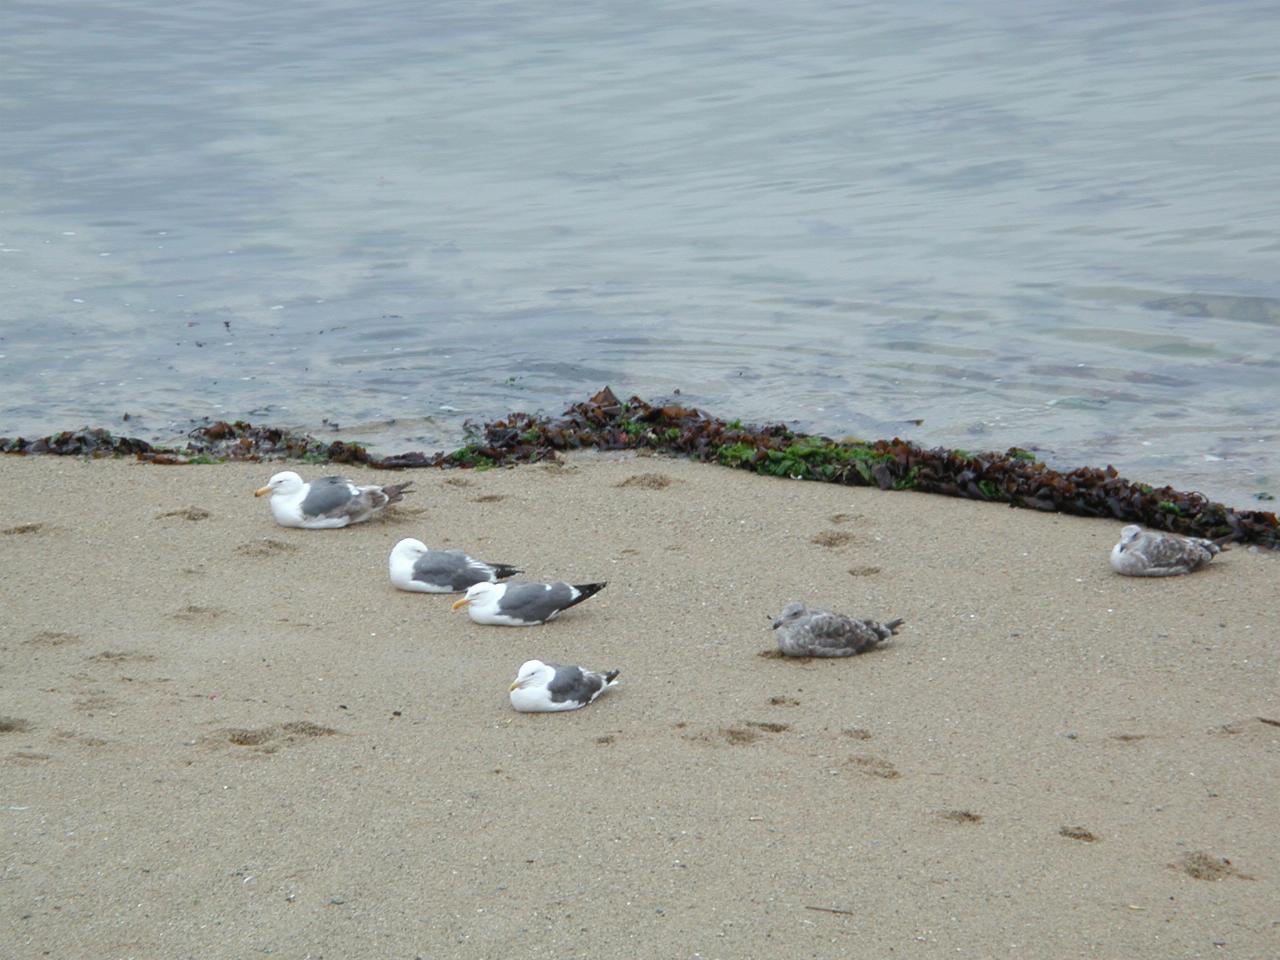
[604,422]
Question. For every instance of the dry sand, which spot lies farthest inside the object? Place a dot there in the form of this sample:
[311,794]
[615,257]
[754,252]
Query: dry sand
[227,739]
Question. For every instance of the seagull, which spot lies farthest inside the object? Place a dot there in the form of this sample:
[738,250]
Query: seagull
[541,687]
[517,603]
[820,633]
[327,502]
[1150,553]
[416,567]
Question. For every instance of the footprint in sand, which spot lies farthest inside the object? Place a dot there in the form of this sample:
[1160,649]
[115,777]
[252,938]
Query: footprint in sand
[399,514]
[739,734]
[266,547]
[83,739]
[14,725]
[647,481]
[52,638]
[489,498]
[831,539]
[781,701]
[193,514]
[874,766]
[23,528]
[736,736]
[196,614]
[272,738]
[27,758]
[1204,866]
[1262,730]
[121,656]
[95,701]
[1078,833]
[863,571]
[838,518]
[768,727]
[959,816]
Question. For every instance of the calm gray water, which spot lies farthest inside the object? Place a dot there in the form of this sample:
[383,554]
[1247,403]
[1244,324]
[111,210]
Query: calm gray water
[1050,224]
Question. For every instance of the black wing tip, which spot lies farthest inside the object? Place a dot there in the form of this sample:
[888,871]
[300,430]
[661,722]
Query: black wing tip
[893,625]
[585,592]
[611,676]
[503,570]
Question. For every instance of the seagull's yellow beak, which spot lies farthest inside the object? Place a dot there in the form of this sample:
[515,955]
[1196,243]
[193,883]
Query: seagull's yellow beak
[516,685]
[262,491]
[460,603]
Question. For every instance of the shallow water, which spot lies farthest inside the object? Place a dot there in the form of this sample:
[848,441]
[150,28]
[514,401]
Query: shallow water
[1043,224]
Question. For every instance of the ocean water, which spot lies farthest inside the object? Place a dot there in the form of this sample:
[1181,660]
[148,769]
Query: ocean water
[1048,224]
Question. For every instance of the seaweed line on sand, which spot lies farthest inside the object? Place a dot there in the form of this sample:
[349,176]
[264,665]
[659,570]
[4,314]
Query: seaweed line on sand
[604,422]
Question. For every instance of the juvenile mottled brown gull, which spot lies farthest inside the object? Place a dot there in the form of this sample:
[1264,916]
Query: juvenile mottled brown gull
[416,567]
[1151,553]
[327,502]
[820,633]
[540,687]
[517,603]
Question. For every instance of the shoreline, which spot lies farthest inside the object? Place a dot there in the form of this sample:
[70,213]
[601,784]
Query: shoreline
[605,423]
[220,727]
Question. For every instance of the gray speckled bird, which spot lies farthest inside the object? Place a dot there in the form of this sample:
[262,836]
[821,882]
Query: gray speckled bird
[1152,553]
[803,632]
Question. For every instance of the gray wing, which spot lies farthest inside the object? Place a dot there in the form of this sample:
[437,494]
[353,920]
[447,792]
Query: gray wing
[1166,554]
[451,568]
[574,683]
[835,635]
[535,602]
[331,497]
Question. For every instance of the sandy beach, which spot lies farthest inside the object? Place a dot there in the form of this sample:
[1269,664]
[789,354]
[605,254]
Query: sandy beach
[222,738]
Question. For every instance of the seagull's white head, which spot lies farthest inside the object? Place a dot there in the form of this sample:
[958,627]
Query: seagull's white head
[477,593]
[791,612]
[408,549]
[531,671]
[285,482]
[1128,535]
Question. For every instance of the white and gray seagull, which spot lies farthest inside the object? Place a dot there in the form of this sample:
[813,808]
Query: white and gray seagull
[326,503]
[417,568]
[803,632]
[518,603]
[543,687]
[1153,553]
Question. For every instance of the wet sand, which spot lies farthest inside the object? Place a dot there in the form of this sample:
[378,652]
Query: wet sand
[222,738]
